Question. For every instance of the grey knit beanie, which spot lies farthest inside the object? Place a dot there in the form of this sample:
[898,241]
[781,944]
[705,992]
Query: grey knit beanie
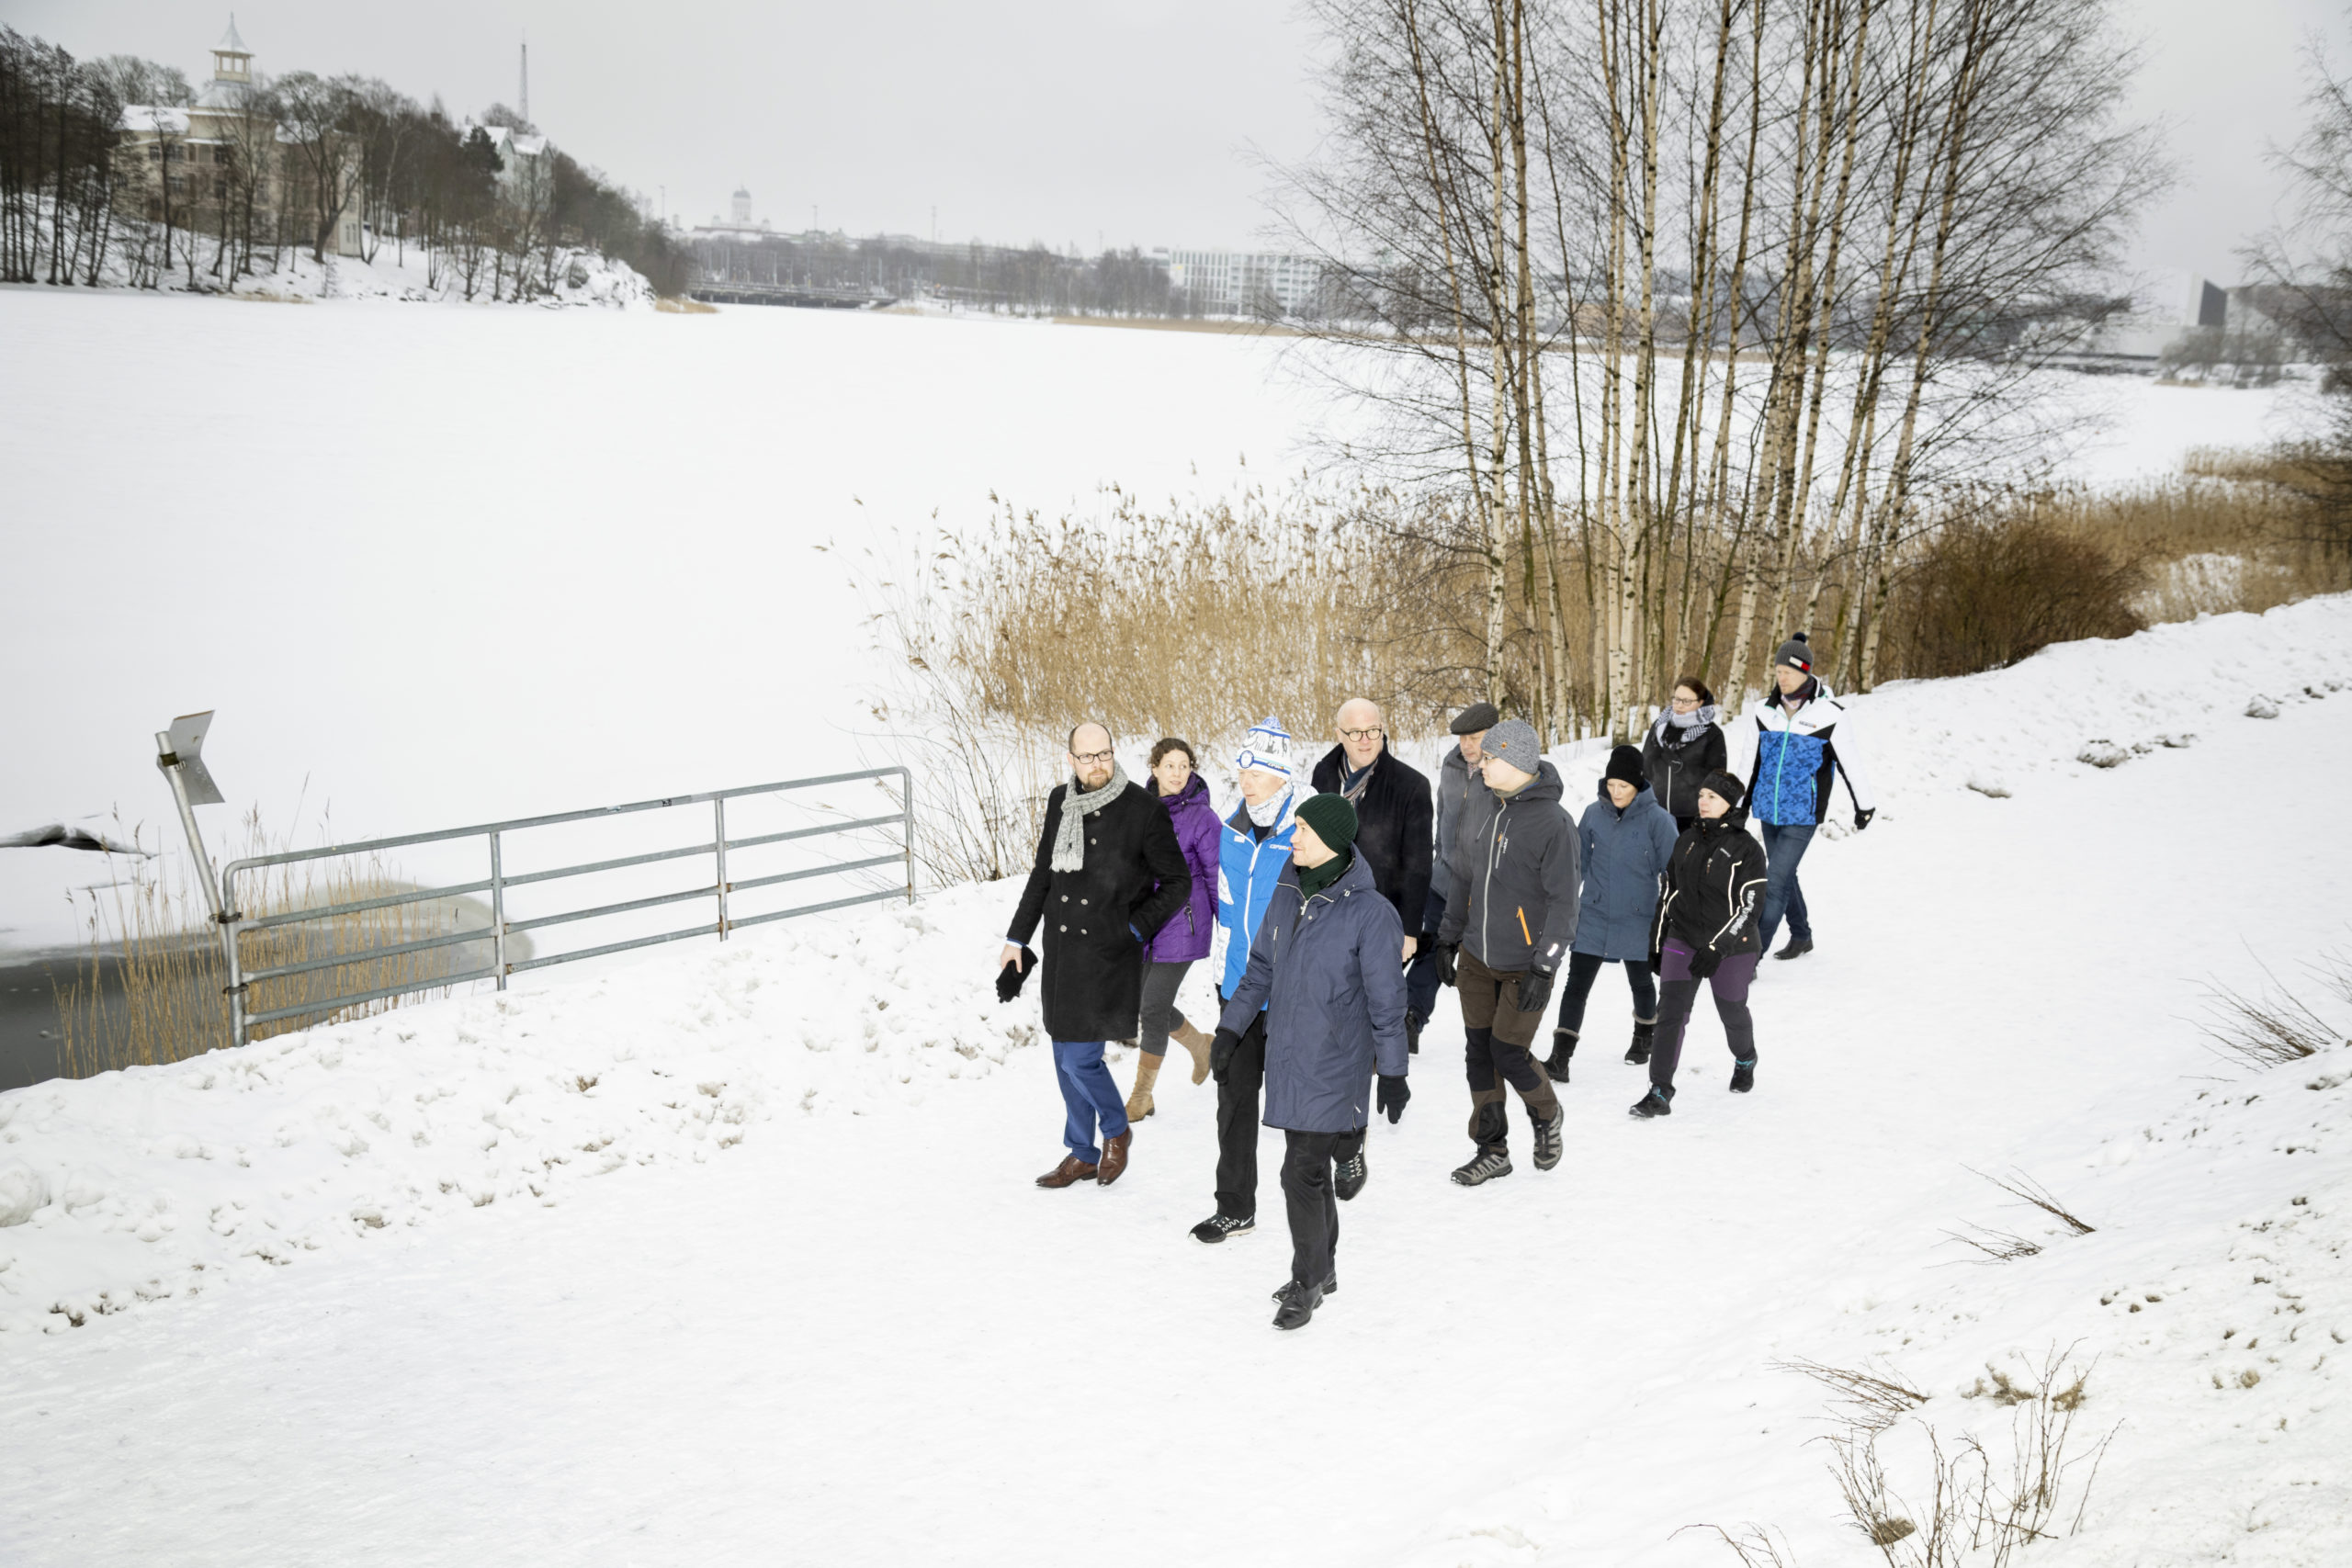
[1796,653]
[1513,740]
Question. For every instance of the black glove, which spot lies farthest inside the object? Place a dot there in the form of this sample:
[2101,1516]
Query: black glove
[1393,1094]
[1446,954]
[1534,990]
[1658,961]
[1010,976]
[1862,819]
[1221,1052]
[1705,962]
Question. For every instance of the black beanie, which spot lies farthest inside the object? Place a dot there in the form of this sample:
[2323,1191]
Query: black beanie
[1727,785]
[1333,819]
[1626,763]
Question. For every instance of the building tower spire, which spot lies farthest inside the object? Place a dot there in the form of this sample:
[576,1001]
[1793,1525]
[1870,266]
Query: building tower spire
[231,61]
[525,106]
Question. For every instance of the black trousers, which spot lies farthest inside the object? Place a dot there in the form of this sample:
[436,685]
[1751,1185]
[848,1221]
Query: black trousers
[1237,1124]
[1491,1063]
[1314,1210]
[1586,967]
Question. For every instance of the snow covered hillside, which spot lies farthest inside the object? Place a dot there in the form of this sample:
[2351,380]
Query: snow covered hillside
[731,1254]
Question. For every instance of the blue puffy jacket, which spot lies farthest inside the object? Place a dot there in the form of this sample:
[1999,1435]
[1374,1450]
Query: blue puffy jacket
[1798,755]
[1247,870]
[1325,970]
[1624,858]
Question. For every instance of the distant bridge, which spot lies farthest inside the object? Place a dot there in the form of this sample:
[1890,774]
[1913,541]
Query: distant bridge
[714,292]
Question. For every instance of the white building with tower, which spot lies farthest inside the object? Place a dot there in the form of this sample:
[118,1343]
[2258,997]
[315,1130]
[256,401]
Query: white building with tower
[1245,283]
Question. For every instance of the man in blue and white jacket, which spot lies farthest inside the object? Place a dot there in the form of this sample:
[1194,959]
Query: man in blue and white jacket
[1802,742]
[1252,850]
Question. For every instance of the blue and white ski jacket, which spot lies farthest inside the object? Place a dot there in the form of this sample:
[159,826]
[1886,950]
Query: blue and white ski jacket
[1797,756]
[1247,868]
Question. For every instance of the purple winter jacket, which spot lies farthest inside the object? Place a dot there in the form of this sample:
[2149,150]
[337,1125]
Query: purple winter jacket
[1185,937]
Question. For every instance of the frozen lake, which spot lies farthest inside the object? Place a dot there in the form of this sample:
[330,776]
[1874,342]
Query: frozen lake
[435,565]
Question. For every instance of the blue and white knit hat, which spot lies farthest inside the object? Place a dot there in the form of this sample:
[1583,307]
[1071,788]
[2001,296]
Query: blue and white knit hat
[1266,748]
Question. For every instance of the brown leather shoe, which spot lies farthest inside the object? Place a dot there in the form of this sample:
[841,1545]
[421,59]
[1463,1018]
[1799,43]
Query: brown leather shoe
[1071,1171]
[1114,1157]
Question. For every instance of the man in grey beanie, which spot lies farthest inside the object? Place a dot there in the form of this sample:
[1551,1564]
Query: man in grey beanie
[1509,917]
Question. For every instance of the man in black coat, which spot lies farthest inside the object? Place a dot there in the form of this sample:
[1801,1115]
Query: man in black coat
[1108,875]
[1394,838]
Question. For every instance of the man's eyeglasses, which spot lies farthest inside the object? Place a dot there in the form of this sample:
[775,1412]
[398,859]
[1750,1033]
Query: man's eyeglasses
[1360,734]
[1082,758]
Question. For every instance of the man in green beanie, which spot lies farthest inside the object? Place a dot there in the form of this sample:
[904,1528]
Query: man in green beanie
[1327,933]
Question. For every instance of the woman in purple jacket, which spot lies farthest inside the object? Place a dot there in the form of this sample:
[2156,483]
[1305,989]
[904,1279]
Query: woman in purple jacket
[1185,937]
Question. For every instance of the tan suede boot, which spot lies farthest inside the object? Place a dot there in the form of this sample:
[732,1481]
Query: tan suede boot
[1198,1044]
[1146,1073]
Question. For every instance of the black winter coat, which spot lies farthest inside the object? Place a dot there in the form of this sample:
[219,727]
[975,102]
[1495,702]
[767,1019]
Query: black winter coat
[1090,978]
[1513,903]
[1394,825]
[1714,888]
[1678,764]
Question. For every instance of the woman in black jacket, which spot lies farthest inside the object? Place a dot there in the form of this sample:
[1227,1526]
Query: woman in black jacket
[1683,747]
[1706,931]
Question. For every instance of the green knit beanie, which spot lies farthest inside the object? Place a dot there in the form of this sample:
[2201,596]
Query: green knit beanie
[1333,819]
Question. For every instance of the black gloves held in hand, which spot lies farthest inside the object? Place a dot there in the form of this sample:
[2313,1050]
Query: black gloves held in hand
[1394,1092]
[1534,990]
[1446,954]
[1705,962]
[1221,1052]
[1862,819]
[1010,976]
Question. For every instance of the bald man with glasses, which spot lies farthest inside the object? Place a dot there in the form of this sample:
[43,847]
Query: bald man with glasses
[1109,874]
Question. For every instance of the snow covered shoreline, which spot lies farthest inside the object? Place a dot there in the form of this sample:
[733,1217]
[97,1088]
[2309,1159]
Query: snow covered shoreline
[808,1230]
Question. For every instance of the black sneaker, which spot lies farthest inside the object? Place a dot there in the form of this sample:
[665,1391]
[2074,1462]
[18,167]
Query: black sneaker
[1564,1046]
[1484,1167]
[1655,1103]
[1299,1303]
[1548,1141]
[1798,947]
[1216,1227]
[1330,1287]
[1348,1175]
[1743,1076]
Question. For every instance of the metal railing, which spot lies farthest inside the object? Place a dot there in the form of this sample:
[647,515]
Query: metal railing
[235,924]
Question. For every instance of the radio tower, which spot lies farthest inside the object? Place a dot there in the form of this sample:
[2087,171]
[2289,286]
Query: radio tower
[525,106]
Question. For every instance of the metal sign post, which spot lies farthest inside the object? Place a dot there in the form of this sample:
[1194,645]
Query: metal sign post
[179,755]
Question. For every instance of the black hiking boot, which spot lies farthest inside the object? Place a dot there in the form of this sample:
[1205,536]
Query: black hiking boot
[1563,1046]
[1797,948]
[1348,1175]
[1484,1167]
[1743,1076]
[1299,1303]
[1657,1103]
[1218,1227]
[1330,1287]
[1637,1054]
[1547,1139]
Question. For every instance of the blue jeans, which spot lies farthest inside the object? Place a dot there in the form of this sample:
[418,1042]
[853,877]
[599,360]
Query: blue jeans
[1088,1095]
[1421,980]
[1784,846]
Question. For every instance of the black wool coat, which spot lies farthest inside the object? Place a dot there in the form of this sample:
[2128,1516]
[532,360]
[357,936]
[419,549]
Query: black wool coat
[1395,826]
[1097,918]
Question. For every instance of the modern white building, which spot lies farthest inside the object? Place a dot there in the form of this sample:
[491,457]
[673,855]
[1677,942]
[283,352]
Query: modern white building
[1251,283]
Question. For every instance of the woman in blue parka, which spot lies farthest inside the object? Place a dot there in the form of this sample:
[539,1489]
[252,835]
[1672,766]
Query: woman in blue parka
[1627,839]
[1324,968]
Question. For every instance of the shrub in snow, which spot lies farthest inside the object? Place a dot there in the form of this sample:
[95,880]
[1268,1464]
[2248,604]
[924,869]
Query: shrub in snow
[1994,787]
[2260,707]
[2103,754]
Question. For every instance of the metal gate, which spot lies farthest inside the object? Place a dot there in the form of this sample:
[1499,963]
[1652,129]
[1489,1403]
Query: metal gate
[497,883]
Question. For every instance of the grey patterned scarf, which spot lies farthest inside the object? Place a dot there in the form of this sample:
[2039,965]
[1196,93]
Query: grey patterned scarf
[1069,840]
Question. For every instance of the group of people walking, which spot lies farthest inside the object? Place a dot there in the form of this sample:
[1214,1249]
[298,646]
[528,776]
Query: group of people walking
[1349,896]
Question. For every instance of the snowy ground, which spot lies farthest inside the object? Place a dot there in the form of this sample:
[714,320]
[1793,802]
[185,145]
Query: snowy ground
[730,1255]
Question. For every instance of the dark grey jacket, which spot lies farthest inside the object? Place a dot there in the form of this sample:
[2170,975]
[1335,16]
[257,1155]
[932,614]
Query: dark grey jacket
[1463,798]
[1626,854]
[1678,761]
[1513,903]
[1334,995]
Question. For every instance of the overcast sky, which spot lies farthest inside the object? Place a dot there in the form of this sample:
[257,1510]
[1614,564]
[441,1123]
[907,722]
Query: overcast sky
[1069,121]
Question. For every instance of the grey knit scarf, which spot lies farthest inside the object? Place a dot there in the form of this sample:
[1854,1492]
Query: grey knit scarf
[1069,841]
